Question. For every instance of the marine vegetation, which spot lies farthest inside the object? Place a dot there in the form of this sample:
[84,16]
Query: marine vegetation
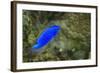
[56,36]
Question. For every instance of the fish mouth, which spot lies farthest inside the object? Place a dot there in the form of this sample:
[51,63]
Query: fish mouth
[55,27]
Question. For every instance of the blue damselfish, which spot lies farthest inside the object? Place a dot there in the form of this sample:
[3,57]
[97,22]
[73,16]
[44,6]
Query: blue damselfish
[46,36]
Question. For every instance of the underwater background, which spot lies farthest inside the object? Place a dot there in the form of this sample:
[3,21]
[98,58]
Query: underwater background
[72,43]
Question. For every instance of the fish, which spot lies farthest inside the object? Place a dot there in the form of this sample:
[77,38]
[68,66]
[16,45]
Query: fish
[45,37]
